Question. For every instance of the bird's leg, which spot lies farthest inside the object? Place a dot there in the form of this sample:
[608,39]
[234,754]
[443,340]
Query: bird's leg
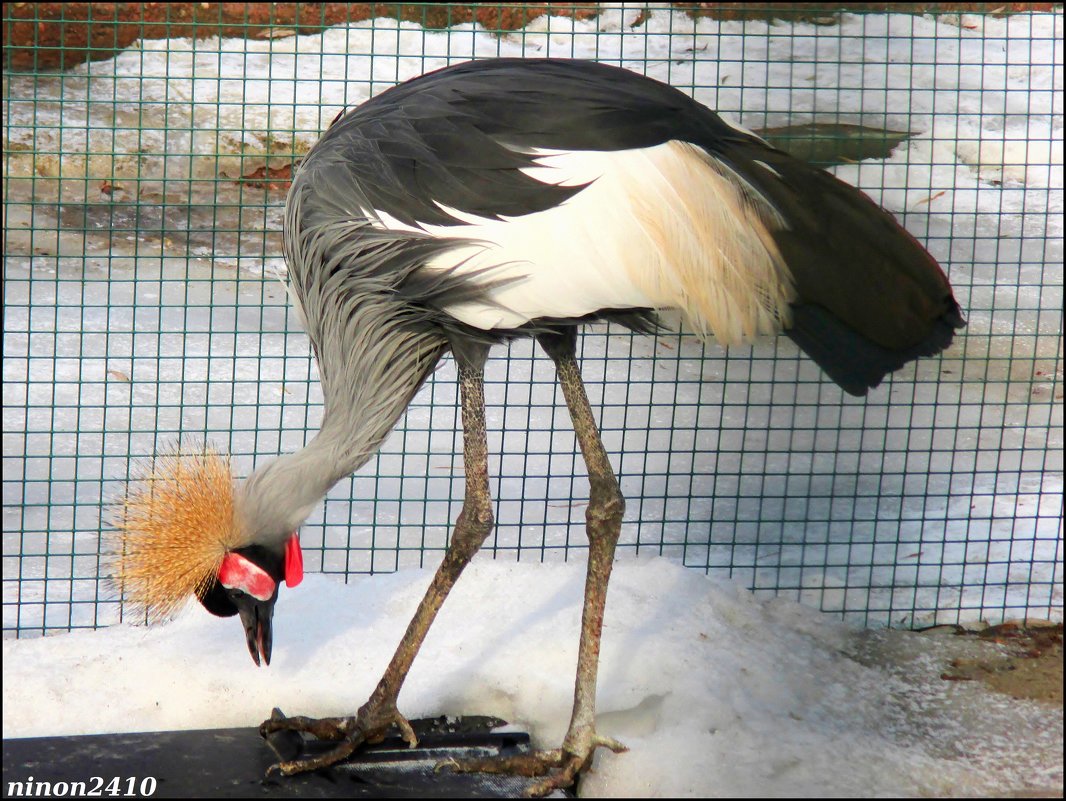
[471,528]
[604,525]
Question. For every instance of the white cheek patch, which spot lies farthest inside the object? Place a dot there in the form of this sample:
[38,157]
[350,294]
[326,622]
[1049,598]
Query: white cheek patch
[239,573]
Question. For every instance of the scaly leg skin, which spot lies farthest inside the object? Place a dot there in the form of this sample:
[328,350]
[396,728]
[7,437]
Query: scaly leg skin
[471,528]
[561,766]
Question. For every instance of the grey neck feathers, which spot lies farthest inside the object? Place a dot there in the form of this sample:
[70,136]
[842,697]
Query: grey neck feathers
[381,372]
[375,319]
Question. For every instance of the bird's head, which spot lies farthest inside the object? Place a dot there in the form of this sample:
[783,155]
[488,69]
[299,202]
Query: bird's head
[181,532]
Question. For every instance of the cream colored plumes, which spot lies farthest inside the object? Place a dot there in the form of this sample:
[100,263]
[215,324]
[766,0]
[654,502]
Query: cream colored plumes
[665,227]
[714,257]
[173,528]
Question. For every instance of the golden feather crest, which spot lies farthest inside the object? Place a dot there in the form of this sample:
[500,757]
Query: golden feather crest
[173,528]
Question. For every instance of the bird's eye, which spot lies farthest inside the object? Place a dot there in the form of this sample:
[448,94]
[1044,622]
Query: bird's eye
[234,593]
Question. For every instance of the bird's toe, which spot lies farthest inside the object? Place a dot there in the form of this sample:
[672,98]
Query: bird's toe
[557,768]
[323,728]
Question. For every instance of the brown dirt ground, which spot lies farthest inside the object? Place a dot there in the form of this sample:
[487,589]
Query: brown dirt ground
[1031,669]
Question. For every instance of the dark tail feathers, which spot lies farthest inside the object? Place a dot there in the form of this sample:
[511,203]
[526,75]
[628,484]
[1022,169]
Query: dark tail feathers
[854,362]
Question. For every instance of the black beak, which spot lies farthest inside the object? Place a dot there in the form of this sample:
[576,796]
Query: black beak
[257,616]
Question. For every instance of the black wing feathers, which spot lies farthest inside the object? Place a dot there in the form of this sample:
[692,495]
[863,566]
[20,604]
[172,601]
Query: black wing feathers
[459,137]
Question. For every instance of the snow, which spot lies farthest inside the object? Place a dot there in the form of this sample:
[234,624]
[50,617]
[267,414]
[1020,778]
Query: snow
[137,315]
[713,691]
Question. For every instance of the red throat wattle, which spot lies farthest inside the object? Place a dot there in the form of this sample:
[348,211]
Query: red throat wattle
[294,561]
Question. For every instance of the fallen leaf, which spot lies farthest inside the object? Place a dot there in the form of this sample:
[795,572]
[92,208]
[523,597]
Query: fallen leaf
[931,198]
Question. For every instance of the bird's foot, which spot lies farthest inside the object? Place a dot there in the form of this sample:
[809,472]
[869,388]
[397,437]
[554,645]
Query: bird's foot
[368,726]
[560,767]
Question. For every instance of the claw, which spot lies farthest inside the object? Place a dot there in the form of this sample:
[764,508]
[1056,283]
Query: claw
[608,742]
[406,731]
[272,772]
[286,744]
[450,762]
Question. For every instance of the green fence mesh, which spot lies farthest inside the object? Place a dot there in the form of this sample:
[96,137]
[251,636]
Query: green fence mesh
[145,166]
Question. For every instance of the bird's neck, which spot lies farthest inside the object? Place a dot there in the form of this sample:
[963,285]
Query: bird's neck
[367,390]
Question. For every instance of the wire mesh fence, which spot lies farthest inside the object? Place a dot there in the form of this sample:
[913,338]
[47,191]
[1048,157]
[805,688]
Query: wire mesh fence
[145,166]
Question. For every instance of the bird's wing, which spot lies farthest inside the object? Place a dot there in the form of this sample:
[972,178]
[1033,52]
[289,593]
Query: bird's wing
[535,189]
[550,180]
[461,138]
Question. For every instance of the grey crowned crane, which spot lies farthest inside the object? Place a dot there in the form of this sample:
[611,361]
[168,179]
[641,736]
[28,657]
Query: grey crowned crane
[505,198]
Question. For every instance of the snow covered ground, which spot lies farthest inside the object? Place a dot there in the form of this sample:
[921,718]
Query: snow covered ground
[135,312]
[714,692]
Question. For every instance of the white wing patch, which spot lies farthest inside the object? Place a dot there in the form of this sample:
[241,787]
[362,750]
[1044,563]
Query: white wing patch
[667,227]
